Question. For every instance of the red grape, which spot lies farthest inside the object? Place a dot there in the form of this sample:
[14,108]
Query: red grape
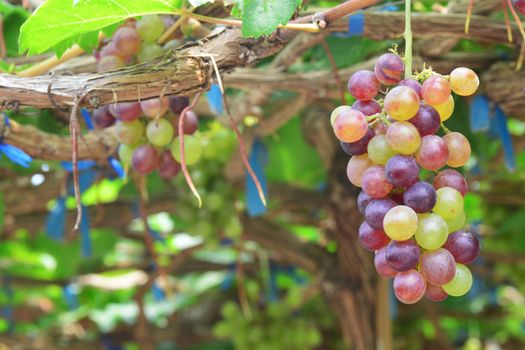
[191,123]
[421,197]
[102,118]
[127,41]
[409,287]
[370,238]
[376,210]
[458,148]
[356,167]
[435,293]
[519,5]
[437,266]
[436,90]
[362,201]
[402,255]
[363,85]
[145,159]
[464,246]
[125,111]
[451,178]
[374,182]
[178,103]
[168,166]
[426,121]
[155,107]
[402,171]
[367,107]
[382,267]
[389,69]
[433,153]
[111,50]
[350,125]
[414,84]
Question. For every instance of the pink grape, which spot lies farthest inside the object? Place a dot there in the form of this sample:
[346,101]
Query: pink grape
[191,123]
[155,107]
[403,137]
[111,50]
[178,103]
[363,85]
[402,171]
[389,69]
[356,167]
[102,118]
[451,178]
[350,125]
[360,146]
[370,238]
[409,287]
[437,266]
[380,128]
[458,148]
[382,267]
[127,40]
[464,246]
[125,111]
[519,5]
[426,121]
[374,182]
[433,153]
[421,197]
[109,63]
[436,90]
[376,210]
[362,201]
[401,103]
[464,81]
[168,166]
[435,293]
[402,255]
[414,84]
[145,159]
[368,108]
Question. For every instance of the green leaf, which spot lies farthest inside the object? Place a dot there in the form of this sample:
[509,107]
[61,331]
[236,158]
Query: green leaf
[58,22]
[263,17]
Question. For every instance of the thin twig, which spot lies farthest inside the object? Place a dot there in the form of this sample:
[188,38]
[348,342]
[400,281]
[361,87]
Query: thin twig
[507,21]
[520,27]
[181,144]
[469,15]
[241,291]
[3,50]
[408,40]
[337,77]
[164,37]
[74,131]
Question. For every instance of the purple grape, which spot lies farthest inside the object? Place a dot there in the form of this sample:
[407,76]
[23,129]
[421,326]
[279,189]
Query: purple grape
[382,267]
[435,293]
[363,85]
[125,111]
[358,147]
[145,159]
[374,182]
[414,84]
[370,238]
[437,266]
[367,107]
[402,255]
[519,5]
[168,166]
[402,171]
[451,178]
[389,69]
[362,201]
[102,118]
[376,210]
[191,123]
[421,197]
[426,120]
[433,153]
[464,246]
[397,197]
[178,103]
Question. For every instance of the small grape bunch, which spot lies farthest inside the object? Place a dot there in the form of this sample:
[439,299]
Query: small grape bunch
[414,227]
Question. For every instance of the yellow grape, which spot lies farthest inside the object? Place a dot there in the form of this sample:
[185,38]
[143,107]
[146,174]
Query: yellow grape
[400,223]
[458,149]
[402,103]
[336,112]
[446,109]
[464,81]
[435,90]
[432,231]
[357,165]
[449,203]
[403,137]
[461,283]
[379,151]
[350,125]
[456,223]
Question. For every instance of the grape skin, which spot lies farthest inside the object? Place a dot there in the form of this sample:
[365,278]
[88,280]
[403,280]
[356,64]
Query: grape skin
[446,109]
[155,107]
[436,90]
[145,159]
[426,121]
[362,201]
[461,283]
[433,153]
[403,137]
[458,148]
[363,85]
[437,266]
[402,255]
[168,166]
[356,167]
[464,246]
[421,197]
[401,103]
[451,178]
[374,182]
[129,132]
[435,293]
[414,84]
[159,132]
[370,238]
[368,108]
[350,125]
[125,111]
[102,117]
[178,103]
[464,81]
[379,151]
[400,223]
[402,171]
[389,69]
[409,287]
[334,114]
[449,203]
[376,210]
[360,146]
[127,41]
[381,265]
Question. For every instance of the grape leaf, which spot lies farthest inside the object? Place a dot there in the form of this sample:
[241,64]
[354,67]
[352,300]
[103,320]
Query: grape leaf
[263,17]
[57,22]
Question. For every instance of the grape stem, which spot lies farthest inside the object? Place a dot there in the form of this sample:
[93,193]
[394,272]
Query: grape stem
[445,129]
[408,40]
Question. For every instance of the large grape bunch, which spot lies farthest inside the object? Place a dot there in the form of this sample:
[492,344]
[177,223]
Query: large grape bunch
[413,226]
[147,130]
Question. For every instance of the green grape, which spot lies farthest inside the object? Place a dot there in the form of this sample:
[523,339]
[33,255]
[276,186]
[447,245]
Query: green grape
[233,228]
[456,223]
[125,153]
[461,283]
[449,203]
[159,132]
[129,132]
[403,137]
[192,149]
[150,27]
[400,223]
[149,51]
[229,309]
[432,231]
[379,151]
[222,330]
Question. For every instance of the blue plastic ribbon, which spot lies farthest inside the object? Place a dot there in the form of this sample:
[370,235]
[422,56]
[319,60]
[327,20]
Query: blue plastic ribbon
[70,294]
[85,238]
[56,220]
[7,310]
[479,114]
[227,282]
[356,24]
[214,97]
[258,157]
[13,153]
[158,293]
[87,118]
[506,140]
[81,165]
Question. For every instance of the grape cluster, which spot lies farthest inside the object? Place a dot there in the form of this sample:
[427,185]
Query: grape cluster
[414,227]
[147,130]
[519,5]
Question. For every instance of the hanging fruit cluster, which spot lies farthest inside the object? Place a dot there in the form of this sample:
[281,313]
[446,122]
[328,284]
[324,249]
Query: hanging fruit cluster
[414,227]
[147,130]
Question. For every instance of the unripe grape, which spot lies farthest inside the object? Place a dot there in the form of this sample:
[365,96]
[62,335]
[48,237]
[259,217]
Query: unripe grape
[451,178]
[458,148]
[446,109]
[456,223]
[178,103]
[401,103]
[414,84]
[409,287]
[402,255]
[389,69]
[145,159]
[374,182]
[436,90]
[464,81]
[350,125]
[363,85]
[334,113]
[102,117]
[125,153]
[379,151]
[403,137]
[168,166]
[149,51]
[382,267]
[435,293]
[368,108]
[433,153]
[109,63]
[191,123]
[129,132]
[356,167]
[426,120]
[370,238]
[125,111]
[362,201]
[421,197]
[127,40]
[150,27]
[192,149]
[159,132]
[402,171]
[449,203]
[461,283]
[464,246]
[400,223]
[376,210]
[155,107]
[432,232]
